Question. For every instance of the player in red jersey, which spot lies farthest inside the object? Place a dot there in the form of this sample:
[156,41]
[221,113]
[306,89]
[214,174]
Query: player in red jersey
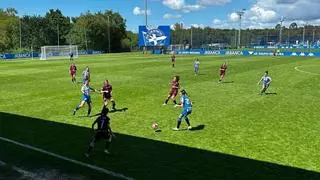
[173,90]
[73,71]
[223,69]
[106,90]
[173,59]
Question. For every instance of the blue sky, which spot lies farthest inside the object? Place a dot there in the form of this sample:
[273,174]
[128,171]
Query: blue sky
[213,13]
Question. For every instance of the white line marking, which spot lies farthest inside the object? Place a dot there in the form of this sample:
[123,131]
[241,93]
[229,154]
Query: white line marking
[297,69]
[67,159]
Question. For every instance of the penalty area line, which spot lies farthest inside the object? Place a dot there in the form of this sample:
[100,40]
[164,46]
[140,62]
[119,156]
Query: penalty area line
[96,168]
[297,69]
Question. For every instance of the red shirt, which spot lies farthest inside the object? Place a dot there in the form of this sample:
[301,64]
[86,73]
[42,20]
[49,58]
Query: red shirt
[73,68]
[175,84]
[108,88]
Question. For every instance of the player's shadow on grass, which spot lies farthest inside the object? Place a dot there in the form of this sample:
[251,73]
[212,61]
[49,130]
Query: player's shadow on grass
[111,111]
[197,128]
[118,110]
[133,156]
[269,93]
[227,82]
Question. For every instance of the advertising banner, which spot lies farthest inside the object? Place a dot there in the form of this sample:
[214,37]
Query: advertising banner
[154,36]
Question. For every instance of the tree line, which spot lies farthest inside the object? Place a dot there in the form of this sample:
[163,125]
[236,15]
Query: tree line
[90,31]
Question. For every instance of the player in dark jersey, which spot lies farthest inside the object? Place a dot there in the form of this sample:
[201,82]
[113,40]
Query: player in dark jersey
[223,70]
[173,60]
[103,131]
[71,56]
[73,71]
[173,90]
[106,90]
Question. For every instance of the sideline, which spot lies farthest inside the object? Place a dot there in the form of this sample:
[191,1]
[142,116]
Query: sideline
[96,168]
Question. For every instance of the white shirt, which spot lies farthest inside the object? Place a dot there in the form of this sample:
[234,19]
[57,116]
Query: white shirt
[266,79]
[85,90]
[196,63]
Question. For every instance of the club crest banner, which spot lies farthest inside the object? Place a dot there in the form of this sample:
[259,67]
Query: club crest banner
[154,36]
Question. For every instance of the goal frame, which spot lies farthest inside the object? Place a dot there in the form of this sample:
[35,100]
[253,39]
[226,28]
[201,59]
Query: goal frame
[58,52]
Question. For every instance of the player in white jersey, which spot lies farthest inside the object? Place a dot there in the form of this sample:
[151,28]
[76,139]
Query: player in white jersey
[86,98]
[85,75]
[265,80]
[196,66]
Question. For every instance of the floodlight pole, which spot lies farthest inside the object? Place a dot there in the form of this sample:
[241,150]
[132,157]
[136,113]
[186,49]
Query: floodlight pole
[235,37]
[32,51]
[303,33]
[85,37]
[280,33]
[313,34]
[240,14]
[70,43]
[267,39]
[288,38]
[20,32]
[130,45]
[146,11]
[109,34]
[191,38]
[58,34]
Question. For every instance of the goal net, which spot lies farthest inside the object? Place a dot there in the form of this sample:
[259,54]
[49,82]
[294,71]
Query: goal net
[58,52]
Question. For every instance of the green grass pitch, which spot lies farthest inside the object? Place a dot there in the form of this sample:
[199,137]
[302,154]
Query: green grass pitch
[243,135]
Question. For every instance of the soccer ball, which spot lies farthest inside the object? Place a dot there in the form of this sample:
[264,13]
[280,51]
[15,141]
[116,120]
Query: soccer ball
[155,126]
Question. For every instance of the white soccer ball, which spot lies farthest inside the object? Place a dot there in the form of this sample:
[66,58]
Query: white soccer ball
[155,126]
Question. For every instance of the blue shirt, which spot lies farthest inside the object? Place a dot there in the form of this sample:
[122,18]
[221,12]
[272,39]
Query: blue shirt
[186,102]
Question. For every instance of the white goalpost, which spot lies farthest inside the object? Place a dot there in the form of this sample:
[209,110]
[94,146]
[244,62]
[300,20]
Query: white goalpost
[58,52]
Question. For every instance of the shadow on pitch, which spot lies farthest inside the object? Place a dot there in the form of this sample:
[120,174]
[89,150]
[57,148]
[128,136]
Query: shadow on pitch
[227,82]
[118,110]
[137,157]
[268,93]
[111,111]
[197,128]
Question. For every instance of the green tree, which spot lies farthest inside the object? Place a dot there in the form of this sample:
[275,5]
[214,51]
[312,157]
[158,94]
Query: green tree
[57,27]
[9,29]
[33,34]
[133,39]
[93,30]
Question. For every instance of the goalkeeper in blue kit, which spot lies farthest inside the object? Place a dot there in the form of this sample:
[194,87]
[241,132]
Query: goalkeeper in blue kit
[187,110]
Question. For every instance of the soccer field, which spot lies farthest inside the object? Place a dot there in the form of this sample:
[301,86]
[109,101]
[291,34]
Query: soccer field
[238,133]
